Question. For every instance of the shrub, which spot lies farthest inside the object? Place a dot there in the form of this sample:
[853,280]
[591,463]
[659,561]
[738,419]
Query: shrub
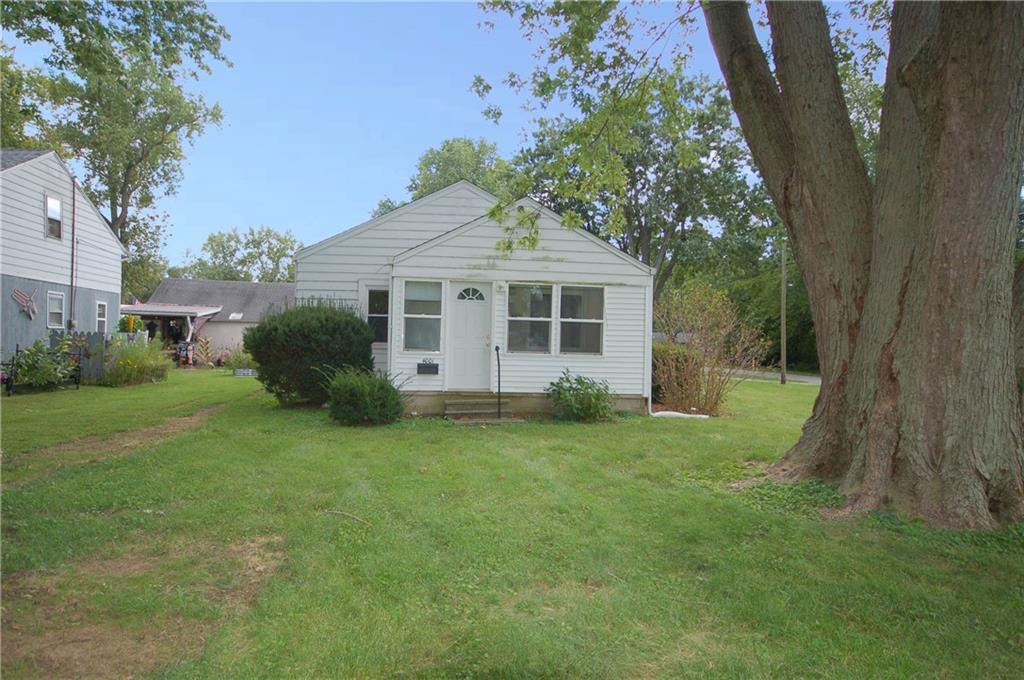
[134,362]
[676,375]
[709,344]
[357,396]
[239,358]
[130,324]
[578,397]
[40,366]
[293,347]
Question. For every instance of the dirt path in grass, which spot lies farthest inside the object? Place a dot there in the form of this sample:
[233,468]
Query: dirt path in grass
[44,462]
[80,621]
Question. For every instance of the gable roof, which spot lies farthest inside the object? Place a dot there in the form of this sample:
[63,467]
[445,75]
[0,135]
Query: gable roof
[11,157]
[253,300]
[531,204]
[408,207]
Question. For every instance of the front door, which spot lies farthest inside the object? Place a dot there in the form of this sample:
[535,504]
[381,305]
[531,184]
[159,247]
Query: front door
[470,347]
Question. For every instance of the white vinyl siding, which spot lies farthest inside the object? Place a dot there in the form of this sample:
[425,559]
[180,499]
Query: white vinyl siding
[54,310]
[27,250]
[564,260]
[332,269]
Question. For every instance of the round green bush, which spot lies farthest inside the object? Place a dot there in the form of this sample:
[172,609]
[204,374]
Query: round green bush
[577,397]
[293,347]
[360,397]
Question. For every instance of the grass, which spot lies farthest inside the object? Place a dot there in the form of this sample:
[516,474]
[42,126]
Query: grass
[271,542]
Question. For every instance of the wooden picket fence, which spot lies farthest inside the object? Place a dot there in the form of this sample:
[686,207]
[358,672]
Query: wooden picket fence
[93,347]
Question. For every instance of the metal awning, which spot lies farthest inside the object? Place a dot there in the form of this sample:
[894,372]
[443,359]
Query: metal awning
[168,310]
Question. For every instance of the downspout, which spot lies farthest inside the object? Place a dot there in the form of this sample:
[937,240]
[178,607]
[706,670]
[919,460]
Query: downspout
[72,322]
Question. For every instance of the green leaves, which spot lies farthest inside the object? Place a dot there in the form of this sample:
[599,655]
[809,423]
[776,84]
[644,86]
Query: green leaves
[258,254]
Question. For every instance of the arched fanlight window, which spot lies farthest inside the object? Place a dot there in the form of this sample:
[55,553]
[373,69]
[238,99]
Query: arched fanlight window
[470,294]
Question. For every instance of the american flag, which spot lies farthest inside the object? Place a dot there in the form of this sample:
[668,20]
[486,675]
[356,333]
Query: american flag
[25,301]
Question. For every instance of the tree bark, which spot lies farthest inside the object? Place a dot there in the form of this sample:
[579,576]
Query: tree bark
[911,280]
[820,231]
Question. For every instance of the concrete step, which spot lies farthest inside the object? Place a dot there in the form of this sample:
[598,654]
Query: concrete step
[488,421]
[481,411]
[472,402]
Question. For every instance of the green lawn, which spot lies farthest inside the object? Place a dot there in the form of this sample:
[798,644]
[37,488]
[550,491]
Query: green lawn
[270,542]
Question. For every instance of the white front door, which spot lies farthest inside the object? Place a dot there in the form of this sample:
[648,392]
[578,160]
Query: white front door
[470,346]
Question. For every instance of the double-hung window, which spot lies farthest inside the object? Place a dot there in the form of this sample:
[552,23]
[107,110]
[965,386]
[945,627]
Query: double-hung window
[581,311]
[53,217]
[529,318]
[423,316]
[54,310]
[101,317]
[377,314]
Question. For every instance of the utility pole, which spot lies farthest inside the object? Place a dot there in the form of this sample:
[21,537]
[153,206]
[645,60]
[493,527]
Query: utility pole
[782,316]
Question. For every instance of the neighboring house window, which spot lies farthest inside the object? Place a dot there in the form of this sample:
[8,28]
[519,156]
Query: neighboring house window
[529,318]
[54,310]
[101,317]
[377,314]
[581,311]
[423,316]
[53,217]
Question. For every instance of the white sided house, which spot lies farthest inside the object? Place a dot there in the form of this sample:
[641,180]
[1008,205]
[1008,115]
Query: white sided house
[446,305]
[61,263]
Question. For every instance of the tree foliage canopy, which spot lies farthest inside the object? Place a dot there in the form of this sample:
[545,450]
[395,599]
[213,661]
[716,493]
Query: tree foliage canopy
[257,254]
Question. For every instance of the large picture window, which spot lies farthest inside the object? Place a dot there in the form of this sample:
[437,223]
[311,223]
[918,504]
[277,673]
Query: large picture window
[377,314]
[423,316]
[581,311]
[529,318]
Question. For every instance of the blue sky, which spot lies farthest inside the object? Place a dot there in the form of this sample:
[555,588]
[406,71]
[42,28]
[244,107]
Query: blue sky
[329,105]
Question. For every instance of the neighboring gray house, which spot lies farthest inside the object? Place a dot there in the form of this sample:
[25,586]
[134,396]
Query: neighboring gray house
[242,305]
[60,262]
[429,279]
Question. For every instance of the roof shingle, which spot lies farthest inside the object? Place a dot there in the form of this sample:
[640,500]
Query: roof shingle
[11,157]
[253,300]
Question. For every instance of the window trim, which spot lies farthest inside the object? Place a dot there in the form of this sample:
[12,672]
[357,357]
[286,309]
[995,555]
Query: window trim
[440,317]
[509,318]
[379,289]
[46,217]
[104,319]
[562,319]
[55,294]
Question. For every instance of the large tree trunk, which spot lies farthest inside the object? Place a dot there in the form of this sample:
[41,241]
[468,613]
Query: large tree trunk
[911,279]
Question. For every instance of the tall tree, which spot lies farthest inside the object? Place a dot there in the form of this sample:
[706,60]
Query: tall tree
[20,103]
[677,165]
[910,270]
[115,98]
[144,267]
[129,129]
[456,159]
[257,254]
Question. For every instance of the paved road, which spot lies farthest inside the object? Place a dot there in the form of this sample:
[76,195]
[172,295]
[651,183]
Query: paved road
[802,378]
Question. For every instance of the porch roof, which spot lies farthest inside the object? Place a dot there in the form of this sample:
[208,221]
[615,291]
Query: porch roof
[169,310]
